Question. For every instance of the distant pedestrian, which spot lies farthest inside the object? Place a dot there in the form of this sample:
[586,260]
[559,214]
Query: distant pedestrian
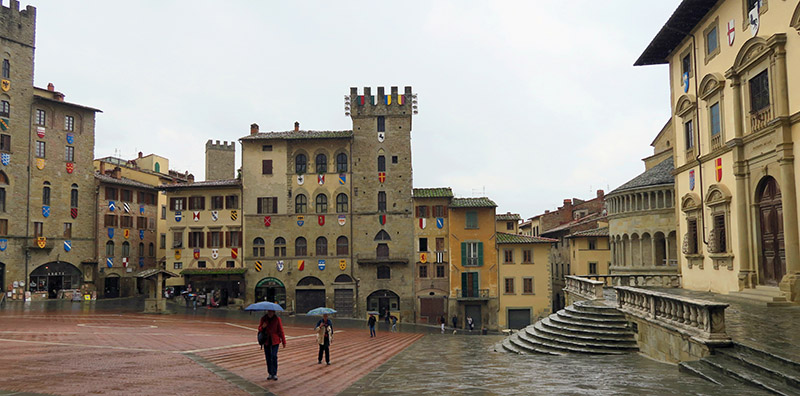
[470,323]
[371,323]
[443,321]
[272,328]
[455,321]
[388,317]
[394,323]
[324,338]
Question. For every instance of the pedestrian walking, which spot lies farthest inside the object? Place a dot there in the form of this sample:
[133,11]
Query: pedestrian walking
[388,318]
[371,322]
[394,323]
[470,323]
[443,321]
[455,321]
[272,328]
[324,331]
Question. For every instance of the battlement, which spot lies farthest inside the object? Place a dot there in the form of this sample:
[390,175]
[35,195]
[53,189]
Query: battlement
[230,146]
[16,25]
[369,105]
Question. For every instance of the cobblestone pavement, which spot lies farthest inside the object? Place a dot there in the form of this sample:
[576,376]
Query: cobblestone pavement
[752,323]
[453,365]
[106,347]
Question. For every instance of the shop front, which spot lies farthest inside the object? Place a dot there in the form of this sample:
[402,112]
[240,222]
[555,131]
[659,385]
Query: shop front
[272,290]
[223,285]
[54,279]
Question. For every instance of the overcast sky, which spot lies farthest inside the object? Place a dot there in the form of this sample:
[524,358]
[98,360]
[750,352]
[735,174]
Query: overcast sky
[529,101]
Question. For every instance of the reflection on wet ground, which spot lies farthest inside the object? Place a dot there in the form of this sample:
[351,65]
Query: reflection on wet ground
[452,365]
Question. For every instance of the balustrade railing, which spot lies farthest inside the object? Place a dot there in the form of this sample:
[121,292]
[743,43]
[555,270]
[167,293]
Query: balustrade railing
[472,293]
[657,280]
[760,118]
[702,320]
[716,141]
[586,289]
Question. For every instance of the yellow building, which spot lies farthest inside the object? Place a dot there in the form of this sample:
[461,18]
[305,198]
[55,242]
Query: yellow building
[736,112]
[525,277]
[431,231]
[473,259]
[508,223]
[590,252]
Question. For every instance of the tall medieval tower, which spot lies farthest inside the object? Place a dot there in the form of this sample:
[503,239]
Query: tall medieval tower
[220,160]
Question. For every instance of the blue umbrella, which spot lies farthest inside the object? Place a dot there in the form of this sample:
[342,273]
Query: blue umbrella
[321,311]
[264,306]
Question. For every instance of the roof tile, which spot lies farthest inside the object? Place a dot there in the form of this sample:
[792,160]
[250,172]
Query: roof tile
[438,192]
[505,238]
[482,202]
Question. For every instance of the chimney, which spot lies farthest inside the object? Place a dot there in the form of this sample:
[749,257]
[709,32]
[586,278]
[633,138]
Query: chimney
[59,96]
[253,129]
[140,154]
[102,167]
[567,202]
[51,87]
[116,172]
[296,126]
[600,193]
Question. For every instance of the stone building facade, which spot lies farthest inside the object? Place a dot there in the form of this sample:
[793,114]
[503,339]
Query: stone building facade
[735,108]
[432,272]
[46,148]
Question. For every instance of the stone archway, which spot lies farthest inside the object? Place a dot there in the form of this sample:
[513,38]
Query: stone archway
[55,276]
[272,290]
[772,257]
[383,301]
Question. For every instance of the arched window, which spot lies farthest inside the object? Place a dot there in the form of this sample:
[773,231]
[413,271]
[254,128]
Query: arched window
[322,246]
[300,164]
[322,203]
[157,167]
[126,249]
[280,247]
[151,249]
[141,249]
[322,163]
[384,272]
[310,281]
[110,249]
[383,236]
[342,247]
[73,196]
[258,247]
[300,202]
[343,278]
[5,108]
[3,184]
[46,194]
[341,163]
[341,203]
[6,68]
[300,247]
[382,251]
[381,201]
[381,163]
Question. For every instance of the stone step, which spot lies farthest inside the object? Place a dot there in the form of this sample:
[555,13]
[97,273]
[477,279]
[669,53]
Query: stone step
[583,312]
[580,331]
[578,322]
[764,364]
[556,346]
[538,332]
[768,294]
[532,346]
[507,346]
[741,372]
[707,372]
[596,306]
[600,335]
[590,319]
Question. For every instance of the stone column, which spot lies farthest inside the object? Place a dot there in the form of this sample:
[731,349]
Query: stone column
[613,250]
[666,248]
[652,250]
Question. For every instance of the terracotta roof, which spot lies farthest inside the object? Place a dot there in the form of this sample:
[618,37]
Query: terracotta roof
[597,232]
[438,192]
[155,271]
[657,175]
[505,238]
[685,18]
[481,202]
[573,223]
[123,181]
[294,135]
[214,271]
[507,217]
[203,184]
[67,103]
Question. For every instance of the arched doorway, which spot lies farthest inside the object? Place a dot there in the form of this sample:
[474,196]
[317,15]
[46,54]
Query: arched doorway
[310,294]
[55,276]
[343,296]
[111,286]
[271,289]
[772,260]
[383,301]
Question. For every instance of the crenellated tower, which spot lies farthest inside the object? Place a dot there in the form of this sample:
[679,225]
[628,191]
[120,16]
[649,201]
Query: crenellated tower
[220,160]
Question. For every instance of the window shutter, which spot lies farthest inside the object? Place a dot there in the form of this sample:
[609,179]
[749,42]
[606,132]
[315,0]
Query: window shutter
[260,205]
[227,239]
[208,238]
[200,239]
[266,167]
[475,285]
[463,282]
[463,254]
[480,253]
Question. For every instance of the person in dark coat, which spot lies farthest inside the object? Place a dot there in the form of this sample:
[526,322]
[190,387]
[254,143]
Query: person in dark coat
[324,339]
[455,321]
[273,330]
[371,322]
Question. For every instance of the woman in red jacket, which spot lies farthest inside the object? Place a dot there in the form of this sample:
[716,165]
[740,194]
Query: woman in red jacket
[273,330]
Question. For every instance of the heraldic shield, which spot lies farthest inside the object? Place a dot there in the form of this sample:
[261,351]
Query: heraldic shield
[41,242]
[3,244]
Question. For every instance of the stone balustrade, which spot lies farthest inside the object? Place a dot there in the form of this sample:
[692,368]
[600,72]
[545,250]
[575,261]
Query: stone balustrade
[583,288]
[702,320]
[658,280]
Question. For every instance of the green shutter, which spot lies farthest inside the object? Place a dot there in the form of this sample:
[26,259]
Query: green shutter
[463,281]
[480,253]
[475,285]
[463,254]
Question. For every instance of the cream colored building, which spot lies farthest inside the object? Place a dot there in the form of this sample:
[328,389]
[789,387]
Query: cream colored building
[508,222]
[590,251]
[736,111]
[525,293]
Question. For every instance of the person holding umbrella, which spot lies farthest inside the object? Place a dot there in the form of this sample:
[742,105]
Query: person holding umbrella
[272,329]
[324,330]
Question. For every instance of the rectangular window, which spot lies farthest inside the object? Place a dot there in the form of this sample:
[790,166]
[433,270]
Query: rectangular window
[266,167]
[508,256]
[759,92]
[686,65]
[592,244]
[176,204]
[423,271]
[5,142]
[197,203]
[422,211]
[691,227]
[232,202]
[201,264]
[527,257]
[509,226]
[230,264]
[141,222]
[126,195]
[69,153]
[266,147]
[126,221]
[381,201]
[5,108]
[233,239]
[527,286]
[177,265]
[69,123]
[162,240]
[688,134]
[41,117]
[196,239]
[215,239]
[40,149]
[110,220]
[2,199]
[111,193]
[712,43]
[439,244]
[592,268]
[163,212]
[177,239]
[381,124]
[713,113]
[472,220]
[217,202]
[267,205]
[440,271]
[38,229]
[509,285]
[472,254]
[719,233]
[423,244]
[394,159]
[439,211]
[67,230]
[3,227]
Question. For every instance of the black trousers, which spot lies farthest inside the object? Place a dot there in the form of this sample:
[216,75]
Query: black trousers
[326,347]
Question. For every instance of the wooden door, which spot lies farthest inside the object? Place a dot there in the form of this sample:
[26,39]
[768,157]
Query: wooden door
[773,253]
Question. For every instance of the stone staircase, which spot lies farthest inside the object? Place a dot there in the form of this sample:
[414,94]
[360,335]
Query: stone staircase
[731,367]
[771,295]
[586,327]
